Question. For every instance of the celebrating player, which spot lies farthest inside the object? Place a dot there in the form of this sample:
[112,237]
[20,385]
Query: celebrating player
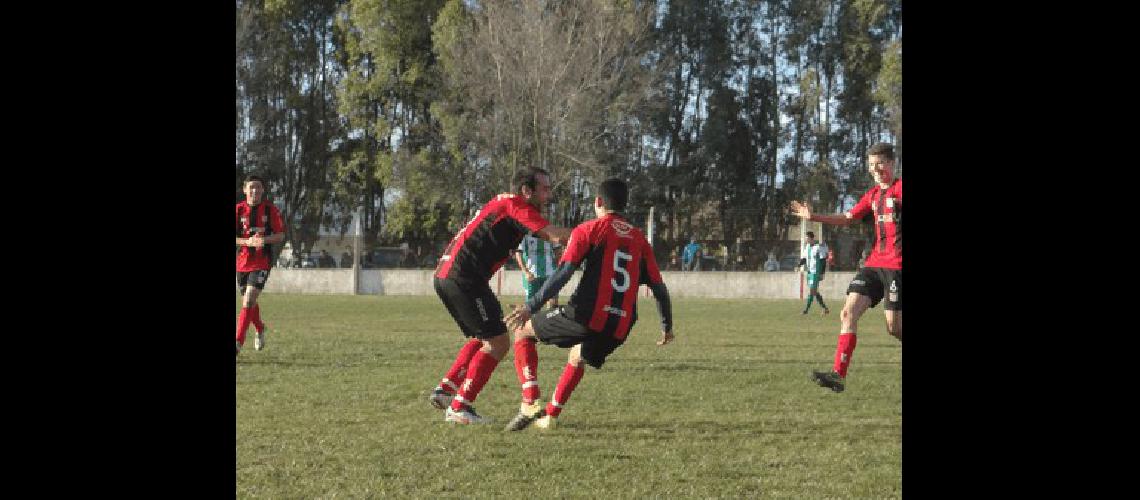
[881,275]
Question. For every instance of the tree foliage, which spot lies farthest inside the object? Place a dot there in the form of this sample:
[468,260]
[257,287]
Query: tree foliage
[417,111]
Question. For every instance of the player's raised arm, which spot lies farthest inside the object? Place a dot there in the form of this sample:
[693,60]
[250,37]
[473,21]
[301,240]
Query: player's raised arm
[803,211]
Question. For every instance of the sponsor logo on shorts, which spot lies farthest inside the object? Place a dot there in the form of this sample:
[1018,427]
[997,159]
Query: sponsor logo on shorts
[553,313]
[613,310]
[858,282]
[894,295]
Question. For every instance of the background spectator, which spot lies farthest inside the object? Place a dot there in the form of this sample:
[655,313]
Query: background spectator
[691,257]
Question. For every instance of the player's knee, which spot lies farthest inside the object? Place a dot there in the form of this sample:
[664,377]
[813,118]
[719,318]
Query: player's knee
[574,359]
[498,345]
[575,356]
[847,315]
[523,332]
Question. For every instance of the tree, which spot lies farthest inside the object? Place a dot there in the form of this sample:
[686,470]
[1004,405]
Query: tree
[285,103]
[549,84]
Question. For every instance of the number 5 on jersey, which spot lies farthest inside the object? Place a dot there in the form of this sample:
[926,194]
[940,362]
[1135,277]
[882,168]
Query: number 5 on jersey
[618,257]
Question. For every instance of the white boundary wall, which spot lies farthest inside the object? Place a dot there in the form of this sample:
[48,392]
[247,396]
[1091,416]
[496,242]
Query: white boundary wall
[714,284]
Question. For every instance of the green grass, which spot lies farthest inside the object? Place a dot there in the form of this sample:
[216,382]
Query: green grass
[335,407]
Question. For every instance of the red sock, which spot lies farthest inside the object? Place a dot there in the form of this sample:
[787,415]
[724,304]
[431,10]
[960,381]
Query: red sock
[526,367]
[459,368]
[478,373]
[843,353]
[243,325]
[255,317]
[566,384]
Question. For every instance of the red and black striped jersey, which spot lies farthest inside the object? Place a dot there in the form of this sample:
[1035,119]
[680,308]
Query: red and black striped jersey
[886,206]
[618,260]
[483,245]
[263,218]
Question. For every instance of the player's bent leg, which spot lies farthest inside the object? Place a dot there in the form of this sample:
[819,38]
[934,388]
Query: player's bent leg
[250,297]
[571,375]
[575,356]
[497,346]
[526,370]
[482,365]
[853,308]
[894,324]
[249,303]
[245,317]
[440,397]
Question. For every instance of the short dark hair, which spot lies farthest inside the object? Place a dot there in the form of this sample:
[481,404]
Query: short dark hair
[527,177]
[810,234]
[253,177]
[882,149]
[614,194]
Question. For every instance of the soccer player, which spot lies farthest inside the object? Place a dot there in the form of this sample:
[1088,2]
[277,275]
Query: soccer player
[813,258]
[479,249]
[258,227]
[535,257]
[601,311]
[881,274]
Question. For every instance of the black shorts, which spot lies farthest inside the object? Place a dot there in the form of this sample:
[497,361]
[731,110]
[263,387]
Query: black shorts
[256,279]
[473,306]
[873,281]
[557,327]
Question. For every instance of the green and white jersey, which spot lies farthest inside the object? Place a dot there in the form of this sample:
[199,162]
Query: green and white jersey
[816,256]
[538,255]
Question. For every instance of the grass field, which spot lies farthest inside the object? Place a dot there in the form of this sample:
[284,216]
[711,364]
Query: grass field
[335,407]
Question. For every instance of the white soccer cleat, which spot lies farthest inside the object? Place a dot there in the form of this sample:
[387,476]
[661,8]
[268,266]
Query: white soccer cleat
[546,422]
[259,340]
[465,416]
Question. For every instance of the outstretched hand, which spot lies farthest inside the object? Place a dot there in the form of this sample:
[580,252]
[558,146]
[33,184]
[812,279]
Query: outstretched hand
[517,318]
[801,209]
[666,337]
